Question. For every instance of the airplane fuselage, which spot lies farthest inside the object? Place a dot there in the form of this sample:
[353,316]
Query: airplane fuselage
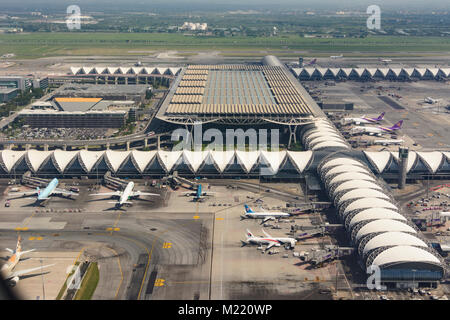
[126,193]
[46,193]
[263,215]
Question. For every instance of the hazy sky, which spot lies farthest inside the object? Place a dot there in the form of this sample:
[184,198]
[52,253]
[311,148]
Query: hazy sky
[137,5]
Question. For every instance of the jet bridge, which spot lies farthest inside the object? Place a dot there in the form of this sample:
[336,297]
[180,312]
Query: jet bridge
[320,257]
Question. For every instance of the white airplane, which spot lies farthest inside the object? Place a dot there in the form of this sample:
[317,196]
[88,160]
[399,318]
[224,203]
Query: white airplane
[385,60]
[388,142]
[268,240]
[44,194]
[7,269]
[363,119]
[125,195]
[430,100]
[337,57]
[265,215]
[378,131]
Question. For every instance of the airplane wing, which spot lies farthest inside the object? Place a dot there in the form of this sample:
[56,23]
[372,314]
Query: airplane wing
[134,194]
[25,271]
[27,251]
[267,219]
[272,244]
[64,192]
[115,193]
[21,194]
[266,234]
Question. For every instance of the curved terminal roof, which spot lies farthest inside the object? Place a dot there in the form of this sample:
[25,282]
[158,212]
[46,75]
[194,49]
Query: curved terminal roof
[89,158]
[351,176]
[36,158]
[345,168]
[10,158]
[401,254]
[431,159]
[378,159]
[300,158]
[62,158]
[169,158]
[329,144]
[412,156]
[247,159]
[141,159]
[222,159]
[383,225]
[362,193]
[369,202]
[356,184]
[341,161]
[393,239]
[115,158]
[274,158]
[375,214]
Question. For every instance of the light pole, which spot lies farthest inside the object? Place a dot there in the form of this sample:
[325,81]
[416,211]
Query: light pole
[43,287]
[414,278]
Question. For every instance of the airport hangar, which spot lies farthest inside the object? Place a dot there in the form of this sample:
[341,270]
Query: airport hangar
[382,235]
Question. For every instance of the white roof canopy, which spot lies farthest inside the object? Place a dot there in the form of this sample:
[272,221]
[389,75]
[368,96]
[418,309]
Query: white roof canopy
[400,254]
[300,158]
[383,225]
[10,158]
[36,158]
[141,159]
[63,158]
[351,176]
[362,193]
[115,158]
[89,158]
[356,184]
[432,159]
[378,159]
[369,202]
[393,239]
[375,214]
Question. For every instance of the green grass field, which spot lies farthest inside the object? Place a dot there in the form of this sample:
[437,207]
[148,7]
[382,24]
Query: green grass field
[35,45]
[89,283]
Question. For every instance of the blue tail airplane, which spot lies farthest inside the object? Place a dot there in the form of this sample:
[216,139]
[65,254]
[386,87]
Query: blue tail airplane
[198,195]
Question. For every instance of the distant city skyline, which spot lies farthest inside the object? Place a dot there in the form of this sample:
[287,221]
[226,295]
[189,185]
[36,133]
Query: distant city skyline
[217,5]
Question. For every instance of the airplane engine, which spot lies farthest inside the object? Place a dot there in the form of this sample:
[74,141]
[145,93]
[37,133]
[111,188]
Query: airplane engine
[13,281]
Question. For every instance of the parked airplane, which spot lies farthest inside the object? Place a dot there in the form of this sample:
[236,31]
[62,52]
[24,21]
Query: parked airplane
[385,60]
[50,189]
[198,194]
[265,215]
[430,100]
[7,269]
[125,195]
[378,131]
[268,240]
[388,142]
[363,119]
[337,57]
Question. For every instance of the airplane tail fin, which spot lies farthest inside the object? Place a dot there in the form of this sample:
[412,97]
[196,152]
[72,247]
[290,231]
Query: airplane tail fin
[249,234]
[247,209]
[381,116]
[397,126]
[9,250]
